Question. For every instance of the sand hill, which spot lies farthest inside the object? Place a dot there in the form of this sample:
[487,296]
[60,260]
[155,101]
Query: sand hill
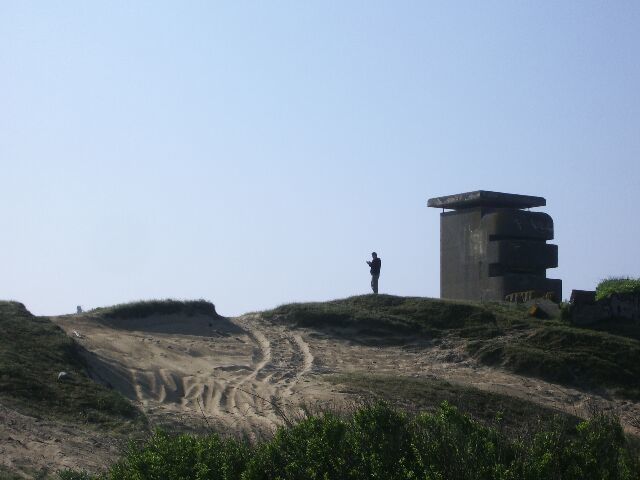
[248,375]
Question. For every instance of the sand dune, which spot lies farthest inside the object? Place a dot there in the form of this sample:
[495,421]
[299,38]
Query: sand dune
[245,374]
[237,374]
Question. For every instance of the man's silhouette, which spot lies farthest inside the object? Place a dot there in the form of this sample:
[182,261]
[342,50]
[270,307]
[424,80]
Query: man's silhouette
[375,265]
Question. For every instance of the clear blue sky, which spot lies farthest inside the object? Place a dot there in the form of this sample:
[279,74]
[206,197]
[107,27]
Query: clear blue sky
[255,153]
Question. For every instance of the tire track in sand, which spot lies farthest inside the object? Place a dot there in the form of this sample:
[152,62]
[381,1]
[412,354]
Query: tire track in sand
[281,359]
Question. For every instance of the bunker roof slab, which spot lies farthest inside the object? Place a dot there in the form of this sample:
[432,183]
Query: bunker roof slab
[484,198]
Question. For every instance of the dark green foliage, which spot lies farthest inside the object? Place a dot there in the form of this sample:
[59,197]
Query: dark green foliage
[379,442]
[313,449]
[448,444]
[71,475]
[146,308]
[599,450]
[497,334]
[182,457]
[33,351]
[617,285]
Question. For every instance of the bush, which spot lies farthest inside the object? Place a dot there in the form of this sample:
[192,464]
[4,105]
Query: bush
[316,448]
[71,475]
[182,457]
[617,285]
[379,442]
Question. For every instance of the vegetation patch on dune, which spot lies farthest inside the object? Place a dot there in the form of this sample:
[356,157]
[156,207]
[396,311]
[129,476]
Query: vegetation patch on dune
[496,334]
[33,351]
[621,327]
[146,308]
[617,285]
[510,415]
[379,441]
[568,355]
[387,314]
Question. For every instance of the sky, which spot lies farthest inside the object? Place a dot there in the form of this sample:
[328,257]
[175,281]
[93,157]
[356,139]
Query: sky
[255,153]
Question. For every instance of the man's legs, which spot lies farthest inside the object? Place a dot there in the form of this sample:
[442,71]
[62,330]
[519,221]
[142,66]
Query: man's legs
[374,283]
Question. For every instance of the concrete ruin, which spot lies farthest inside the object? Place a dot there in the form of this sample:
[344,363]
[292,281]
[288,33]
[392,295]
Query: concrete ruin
[586,310]
[490,247]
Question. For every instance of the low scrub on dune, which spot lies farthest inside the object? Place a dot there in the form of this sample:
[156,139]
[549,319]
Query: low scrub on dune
[388,314]
[570,356]
[617,285]
[511,415]
[496,334]
[33,351]
[146,308]
[378,441]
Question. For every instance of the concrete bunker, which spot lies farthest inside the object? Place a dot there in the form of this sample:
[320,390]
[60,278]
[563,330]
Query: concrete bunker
[491,247]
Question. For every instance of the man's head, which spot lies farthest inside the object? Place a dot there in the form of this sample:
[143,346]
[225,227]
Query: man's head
[374,254]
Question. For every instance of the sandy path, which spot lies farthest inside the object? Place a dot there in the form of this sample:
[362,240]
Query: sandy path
[31,447]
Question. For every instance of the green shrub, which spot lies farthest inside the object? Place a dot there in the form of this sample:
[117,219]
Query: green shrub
[448,444]
[598,451]
[380,442]
[182,457]
[316,448]
[617,285]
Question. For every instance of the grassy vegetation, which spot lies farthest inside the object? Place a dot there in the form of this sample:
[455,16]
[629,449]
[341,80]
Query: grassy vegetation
[32,352]
[568,355]
[145,308]
[513,416]
[621,327]
[496,333]
[617,285]
[381,442]
[388,315]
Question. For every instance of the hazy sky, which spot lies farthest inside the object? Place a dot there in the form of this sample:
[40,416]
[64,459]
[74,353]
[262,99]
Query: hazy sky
[255,153]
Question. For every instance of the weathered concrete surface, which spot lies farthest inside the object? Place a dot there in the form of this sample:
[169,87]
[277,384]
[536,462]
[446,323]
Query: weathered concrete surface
[485,198]
[490,249]
[513,224]
[506,256]
[585,309]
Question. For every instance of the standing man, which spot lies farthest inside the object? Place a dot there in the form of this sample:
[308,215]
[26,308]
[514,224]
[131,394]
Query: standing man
[375,265]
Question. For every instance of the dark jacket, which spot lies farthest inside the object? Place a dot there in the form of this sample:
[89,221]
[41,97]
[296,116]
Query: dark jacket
[376,263]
